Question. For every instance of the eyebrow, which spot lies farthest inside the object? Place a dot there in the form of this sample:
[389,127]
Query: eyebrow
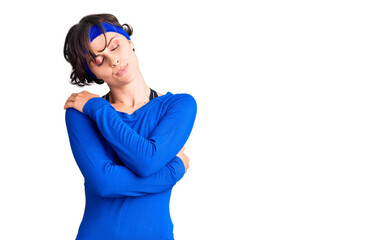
[108,44]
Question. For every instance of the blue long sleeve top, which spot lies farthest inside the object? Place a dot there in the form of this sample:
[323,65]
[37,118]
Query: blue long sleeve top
[129,165]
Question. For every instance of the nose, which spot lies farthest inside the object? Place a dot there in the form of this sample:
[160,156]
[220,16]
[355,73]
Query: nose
[115,61]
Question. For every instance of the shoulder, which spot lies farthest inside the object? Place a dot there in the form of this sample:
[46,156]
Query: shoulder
[72,114]
[181,103]
[180,100]
[76,119]
[184,98]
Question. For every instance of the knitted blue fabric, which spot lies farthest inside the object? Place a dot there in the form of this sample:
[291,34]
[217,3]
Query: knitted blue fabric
[129,165]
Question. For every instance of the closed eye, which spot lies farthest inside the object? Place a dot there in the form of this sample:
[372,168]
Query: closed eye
[116,46]
[99,60]
[103,59]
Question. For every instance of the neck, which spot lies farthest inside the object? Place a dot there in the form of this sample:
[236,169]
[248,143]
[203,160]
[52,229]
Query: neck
[132,94]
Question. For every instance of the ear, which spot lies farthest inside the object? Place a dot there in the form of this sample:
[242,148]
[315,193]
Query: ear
[131,45]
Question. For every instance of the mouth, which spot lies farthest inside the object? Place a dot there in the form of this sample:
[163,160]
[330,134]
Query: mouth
[122,70]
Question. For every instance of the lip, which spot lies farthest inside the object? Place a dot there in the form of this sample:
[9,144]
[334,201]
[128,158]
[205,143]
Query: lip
[122,71]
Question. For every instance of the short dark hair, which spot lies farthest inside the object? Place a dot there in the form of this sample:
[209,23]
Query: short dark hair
[77,49]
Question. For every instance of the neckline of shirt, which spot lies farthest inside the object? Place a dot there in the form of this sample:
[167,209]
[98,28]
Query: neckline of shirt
[142,108]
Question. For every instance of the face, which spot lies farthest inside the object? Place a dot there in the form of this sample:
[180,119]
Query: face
[116,63]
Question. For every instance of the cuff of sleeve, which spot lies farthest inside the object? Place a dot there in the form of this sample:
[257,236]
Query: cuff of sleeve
[93,105]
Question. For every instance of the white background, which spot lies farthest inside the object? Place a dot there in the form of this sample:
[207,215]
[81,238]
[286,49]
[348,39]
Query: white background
[292,136]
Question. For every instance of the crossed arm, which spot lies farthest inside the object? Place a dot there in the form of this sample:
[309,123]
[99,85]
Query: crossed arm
[106,178]
[145,156]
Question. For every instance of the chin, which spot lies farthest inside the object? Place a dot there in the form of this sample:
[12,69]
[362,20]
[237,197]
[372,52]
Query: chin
[133,75]
[127,78]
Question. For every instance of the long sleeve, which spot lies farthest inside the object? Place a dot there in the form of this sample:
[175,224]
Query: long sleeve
[145,156]
[101,174]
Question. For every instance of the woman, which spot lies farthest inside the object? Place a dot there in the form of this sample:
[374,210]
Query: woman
[129,143]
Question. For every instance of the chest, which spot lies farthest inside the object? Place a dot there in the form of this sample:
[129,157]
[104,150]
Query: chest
[127,109]
[143,122]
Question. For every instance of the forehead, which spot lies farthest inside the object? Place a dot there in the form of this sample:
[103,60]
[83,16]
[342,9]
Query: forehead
[98,44]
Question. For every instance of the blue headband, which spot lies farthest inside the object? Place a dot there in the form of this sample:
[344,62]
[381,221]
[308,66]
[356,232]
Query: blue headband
[95,32]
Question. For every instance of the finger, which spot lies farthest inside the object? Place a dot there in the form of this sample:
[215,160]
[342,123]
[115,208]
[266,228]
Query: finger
[74,97]
[69,104]
[71,98]
[66,105]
